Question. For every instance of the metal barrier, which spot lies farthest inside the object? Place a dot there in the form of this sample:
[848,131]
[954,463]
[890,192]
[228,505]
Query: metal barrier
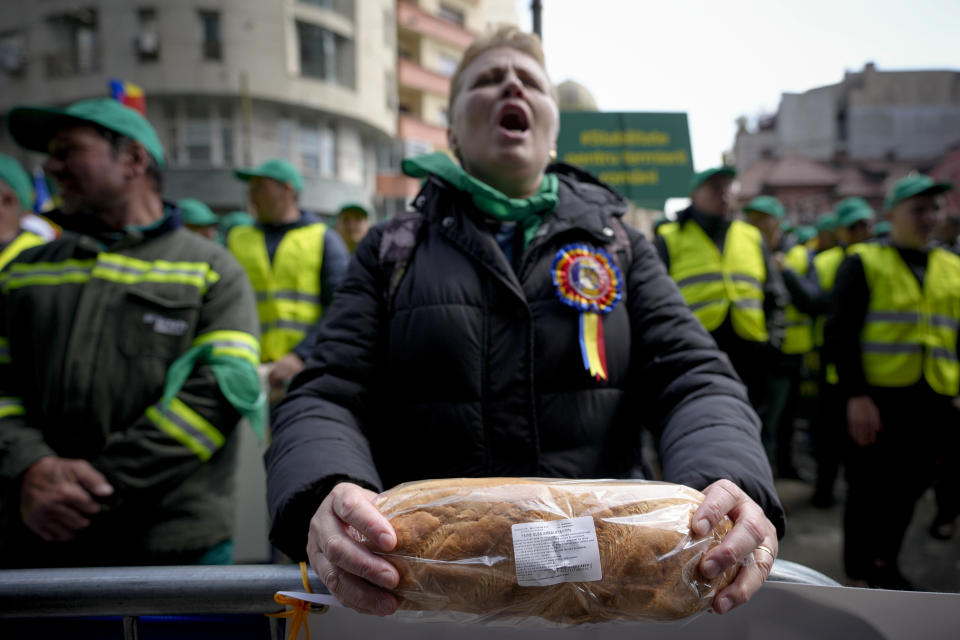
[155,591]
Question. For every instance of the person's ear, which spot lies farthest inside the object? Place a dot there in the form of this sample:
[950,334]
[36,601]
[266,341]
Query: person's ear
[137,160]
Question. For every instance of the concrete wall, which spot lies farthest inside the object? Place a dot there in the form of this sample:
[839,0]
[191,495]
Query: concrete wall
[906,132]
[806,123]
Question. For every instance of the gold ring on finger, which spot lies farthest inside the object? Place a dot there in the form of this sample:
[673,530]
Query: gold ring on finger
[761,547]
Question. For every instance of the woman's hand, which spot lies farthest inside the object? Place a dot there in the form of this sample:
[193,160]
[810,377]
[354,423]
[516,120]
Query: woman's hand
[353,574]
[752,533]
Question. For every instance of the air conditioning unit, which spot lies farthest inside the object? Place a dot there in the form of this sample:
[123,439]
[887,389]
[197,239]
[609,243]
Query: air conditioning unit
[148,43]
[12,60]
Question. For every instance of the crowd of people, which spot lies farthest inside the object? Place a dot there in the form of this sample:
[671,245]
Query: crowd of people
[510,324]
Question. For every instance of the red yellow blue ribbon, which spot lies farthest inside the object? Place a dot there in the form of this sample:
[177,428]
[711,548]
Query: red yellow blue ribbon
[301,609]
[587,279]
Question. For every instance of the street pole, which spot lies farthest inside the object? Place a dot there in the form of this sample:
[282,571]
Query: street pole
[536,7]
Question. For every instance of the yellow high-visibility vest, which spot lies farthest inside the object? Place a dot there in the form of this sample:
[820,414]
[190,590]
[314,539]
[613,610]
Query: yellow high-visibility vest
[288,291]
[714,284]
[909,332]
[24,241]
[798,337]
[827,263]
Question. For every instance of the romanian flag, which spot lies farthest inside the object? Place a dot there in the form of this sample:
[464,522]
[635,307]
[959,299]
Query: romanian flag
[129,94]
[42,202]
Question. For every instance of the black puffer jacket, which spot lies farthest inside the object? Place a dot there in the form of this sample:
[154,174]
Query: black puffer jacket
[476,371]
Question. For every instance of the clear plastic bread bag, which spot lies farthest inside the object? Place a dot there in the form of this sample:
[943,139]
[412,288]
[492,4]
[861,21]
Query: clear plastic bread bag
[556,552]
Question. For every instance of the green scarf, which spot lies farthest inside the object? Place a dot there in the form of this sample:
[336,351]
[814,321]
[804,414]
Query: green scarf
[237,379]
[527,212]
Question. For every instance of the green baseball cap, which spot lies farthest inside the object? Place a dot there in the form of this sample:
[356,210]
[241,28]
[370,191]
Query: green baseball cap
[276,168]
[768,205]
[18,179]
[354,206]
[914,184]
[882,228]
[196,213]
[850,211]
[805,233]
[699,178]
[236,219]
[826,222]
[34,127]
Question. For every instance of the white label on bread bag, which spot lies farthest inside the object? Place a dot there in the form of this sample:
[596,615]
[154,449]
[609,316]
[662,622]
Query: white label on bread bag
[554,551]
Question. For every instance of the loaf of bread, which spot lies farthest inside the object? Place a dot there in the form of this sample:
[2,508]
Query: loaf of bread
[458,549]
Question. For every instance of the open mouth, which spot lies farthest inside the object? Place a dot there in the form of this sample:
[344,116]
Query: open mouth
[514,119]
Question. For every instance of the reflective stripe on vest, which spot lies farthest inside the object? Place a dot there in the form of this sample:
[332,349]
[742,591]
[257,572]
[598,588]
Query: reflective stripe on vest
[24,241]
[714,283]
[288,290]
[909,332]
[798,337]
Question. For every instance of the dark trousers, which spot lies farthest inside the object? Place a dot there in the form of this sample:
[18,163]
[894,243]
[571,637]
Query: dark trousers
[829,434]
[885,480]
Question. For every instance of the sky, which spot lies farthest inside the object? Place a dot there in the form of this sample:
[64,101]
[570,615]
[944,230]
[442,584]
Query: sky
[720,60]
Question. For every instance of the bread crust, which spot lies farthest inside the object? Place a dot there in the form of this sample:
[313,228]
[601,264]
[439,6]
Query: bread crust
[455,548]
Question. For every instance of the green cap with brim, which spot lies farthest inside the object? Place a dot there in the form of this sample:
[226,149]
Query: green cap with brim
[882,228]
[17,179]
[699,178]
[805,234]
[914,184]
[34,127]
[850,211]
[197,214]
[277,169]
[826,222]
[768,205]
[355,206]
[236,219]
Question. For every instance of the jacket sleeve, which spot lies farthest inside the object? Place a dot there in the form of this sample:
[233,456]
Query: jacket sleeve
[317,434]
[20,444]
[774,301]
[689,392]
[848,310]
[167,444]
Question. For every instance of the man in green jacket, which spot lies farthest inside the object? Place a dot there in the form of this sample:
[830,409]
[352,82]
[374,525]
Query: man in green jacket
[128,351]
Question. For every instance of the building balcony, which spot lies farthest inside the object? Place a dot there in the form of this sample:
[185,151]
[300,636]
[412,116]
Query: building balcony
[412,17]
[413,128]
[411,75]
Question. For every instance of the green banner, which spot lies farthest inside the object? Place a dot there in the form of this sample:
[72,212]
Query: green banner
[644,156]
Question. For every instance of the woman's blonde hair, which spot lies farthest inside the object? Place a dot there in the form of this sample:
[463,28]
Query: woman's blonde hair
[504,36]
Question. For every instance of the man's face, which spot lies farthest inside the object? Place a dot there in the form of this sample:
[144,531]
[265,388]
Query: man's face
[353,225]
[269,198]
[769,226]
[913,221]
[714,196]
[92,176]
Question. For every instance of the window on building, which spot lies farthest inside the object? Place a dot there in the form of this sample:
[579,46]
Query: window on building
[328,151]
[450,14]
[390,88]
[210,35]
[147,40]
[325,55]
[226,136]
[172,130]
[310,148]
[343,7]
[77,45]
[285,129]
[13,61]
[446,65]
[199,135]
